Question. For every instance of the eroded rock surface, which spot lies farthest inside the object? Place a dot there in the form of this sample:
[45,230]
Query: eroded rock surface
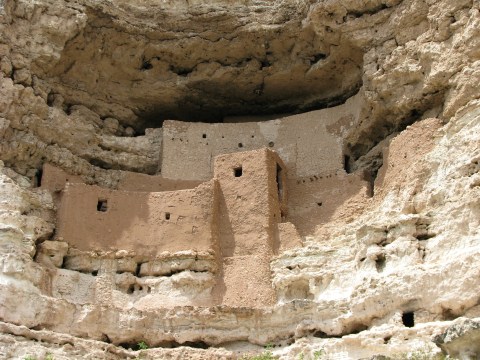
[376,258]
[461,339]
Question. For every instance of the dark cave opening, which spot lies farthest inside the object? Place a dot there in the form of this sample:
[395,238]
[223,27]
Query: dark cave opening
[408,319]
[204,108]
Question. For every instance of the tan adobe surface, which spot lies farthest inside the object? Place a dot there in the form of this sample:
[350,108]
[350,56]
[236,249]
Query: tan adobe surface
[309,143]
[241,206]
[54,178]
[146,223]
[249,204]
[317,200]
[142,182]
[250,208]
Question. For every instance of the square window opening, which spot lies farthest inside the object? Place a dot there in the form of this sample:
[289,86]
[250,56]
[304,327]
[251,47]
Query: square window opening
[167,216]
[238,171]
[102,205]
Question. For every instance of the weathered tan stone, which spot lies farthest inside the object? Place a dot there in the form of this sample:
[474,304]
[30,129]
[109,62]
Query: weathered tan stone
[346,279]
[51,253]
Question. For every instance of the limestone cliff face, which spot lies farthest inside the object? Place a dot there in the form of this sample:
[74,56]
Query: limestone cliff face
[85,86]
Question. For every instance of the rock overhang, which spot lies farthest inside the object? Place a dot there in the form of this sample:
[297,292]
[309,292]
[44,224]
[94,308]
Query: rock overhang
[143,64]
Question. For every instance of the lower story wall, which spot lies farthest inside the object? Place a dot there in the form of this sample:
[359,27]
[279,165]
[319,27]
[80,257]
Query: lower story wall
[91,218]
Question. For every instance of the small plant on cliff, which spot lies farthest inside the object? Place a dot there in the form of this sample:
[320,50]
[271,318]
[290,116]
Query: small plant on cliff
[49,357]
[29,357]
[142,345]
[266,355]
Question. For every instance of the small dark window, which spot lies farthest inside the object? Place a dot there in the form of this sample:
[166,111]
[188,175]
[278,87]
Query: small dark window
[167,216]
[346,164]
[102,205]
[279,183]
[138,269]
[408,319]
[204,136]
[240,145]
[319,203]
[238,171]
[37,180]
[271,144]
[95,272]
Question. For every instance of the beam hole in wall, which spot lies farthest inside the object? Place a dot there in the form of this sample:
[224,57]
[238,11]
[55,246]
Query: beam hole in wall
[238,171]
[102,205]
[94,272]
[204,136]
[408,319]
[167,216]
[319,203]
[271,144]
[240,145]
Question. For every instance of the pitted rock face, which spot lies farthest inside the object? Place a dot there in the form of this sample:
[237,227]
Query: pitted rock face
[156,60]
[364,244]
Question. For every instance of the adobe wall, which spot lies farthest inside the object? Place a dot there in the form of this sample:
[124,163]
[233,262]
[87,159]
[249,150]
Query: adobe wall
[153,183]
[54,179]
[250,208]
[145,224]
[249,203]
[318,199]
[309,143]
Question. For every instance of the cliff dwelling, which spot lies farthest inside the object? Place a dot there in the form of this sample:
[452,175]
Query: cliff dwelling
[239,179]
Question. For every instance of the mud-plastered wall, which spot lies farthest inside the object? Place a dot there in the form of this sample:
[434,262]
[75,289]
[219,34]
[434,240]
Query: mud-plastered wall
[93,218]
[309,143]
[318,199]
[250,205]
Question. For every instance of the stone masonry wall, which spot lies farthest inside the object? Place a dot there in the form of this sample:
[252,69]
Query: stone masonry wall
[309,143]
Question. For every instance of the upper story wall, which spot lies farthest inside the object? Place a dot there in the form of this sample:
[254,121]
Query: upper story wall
[309,143]
[252,199]
[131,181]
[91,218]
[54,179]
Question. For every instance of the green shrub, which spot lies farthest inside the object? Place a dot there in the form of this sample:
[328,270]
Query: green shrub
[142,345]
[318,354]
